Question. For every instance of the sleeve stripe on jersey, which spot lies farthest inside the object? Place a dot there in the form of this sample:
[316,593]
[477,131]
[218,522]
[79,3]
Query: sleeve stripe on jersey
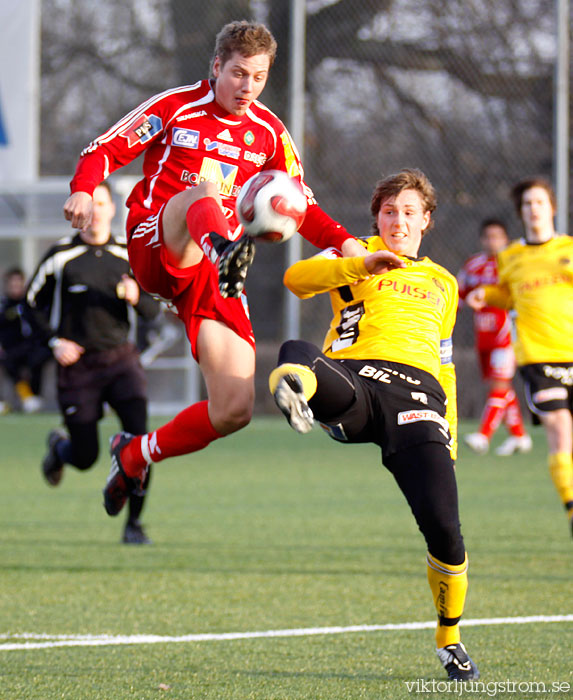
[138,111]
[54,265]
[119,251]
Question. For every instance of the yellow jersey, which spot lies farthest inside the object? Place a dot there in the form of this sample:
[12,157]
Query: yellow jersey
[536,280]
[405,315]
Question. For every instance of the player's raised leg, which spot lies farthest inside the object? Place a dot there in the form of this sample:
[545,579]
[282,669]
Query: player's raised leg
[306,384]
[194,224]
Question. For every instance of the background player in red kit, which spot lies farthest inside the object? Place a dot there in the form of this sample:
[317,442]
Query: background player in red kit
[200,143]
[492,330]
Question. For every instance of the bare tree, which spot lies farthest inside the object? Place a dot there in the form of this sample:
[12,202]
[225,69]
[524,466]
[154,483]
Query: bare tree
[98,61]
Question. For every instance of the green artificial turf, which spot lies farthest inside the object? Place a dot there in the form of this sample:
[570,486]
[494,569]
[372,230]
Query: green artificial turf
[267,530]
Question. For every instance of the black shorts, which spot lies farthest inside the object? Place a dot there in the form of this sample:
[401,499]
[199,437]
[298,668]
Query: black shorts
[110,376]
[397,406]
[393,405]
[548,386]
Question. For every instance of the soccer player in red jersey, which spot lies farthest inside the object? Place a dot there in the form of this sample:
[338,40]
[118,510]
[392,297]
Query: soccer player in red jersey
[200,143]
[492,330]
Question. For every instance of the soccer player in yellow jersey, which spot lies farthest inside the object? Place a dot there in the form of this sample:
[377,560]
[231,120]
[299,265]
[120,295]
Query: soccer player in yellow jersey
[536,279]
[385,375]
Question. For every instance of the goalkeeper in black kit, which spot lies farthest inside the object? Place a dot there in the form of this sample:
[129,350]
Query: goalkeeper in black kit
[385,375]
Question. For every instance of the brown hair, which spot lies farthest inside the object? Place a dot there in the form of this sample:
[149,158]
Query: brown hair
[246,38]
[406,179]
[107,186]
[14,272]
[526,184]
[492,221]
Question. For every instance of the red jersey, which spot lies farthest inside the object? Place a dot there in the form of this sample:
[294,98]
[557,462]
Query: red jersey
[187,138]
[492,325]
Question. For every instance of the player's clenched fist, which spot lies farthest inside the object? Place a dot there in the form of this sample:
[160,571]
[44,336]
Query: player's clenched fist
[78,209]
[476,299]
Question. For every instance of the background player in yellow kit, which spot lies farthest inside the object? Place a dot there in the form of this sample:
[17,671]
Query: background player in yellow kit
[536,279]
[385,375]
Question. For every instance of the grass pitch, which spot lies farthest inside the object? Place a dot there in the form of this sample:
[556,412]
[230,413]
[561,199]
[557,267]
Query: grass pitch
[268,530]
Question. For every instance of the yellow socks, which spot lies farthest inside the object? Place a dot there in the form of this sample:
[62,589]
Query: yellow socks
[304,373]
[23,390]
[449,585]
[561,470]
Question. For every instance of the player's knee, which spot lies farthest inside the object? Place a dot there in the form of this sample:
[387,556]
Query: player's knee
[84,459]
[288,350]
[204,189]
[445,542]
[177,208]
[298,352]
[233,416]
[238,417]
[207,189]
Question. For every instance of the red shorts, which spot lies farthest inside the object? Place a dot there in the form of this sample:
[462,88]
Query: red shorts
[193,291]
[497,363]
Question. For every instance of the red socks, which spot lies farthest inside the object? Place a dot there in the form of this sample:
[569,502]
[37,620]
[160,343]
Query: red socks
[493,411]
[502,404]
[513,418]
[190,431]
[205,217]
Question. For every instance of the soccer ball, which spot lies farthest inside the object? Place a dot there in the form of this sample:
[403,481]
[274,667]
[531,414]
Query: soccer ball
[271,206]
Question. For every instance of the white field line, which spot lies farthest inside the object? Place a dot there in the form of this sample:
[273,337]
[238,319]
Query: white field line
[45,641]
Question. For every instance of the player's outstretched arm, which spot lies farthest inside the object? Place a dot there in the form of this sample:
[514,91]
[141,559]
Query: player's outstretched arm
[78,210]
[322,273]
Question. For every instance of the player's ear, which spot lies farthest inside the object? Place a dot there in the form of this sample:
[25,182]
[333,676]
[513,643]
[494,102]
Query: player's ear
[216,66]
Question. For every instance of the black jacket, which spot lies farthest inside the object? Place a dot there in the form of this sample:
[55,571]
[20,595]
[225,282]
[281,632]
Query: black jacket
[16,324]
[73,294]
